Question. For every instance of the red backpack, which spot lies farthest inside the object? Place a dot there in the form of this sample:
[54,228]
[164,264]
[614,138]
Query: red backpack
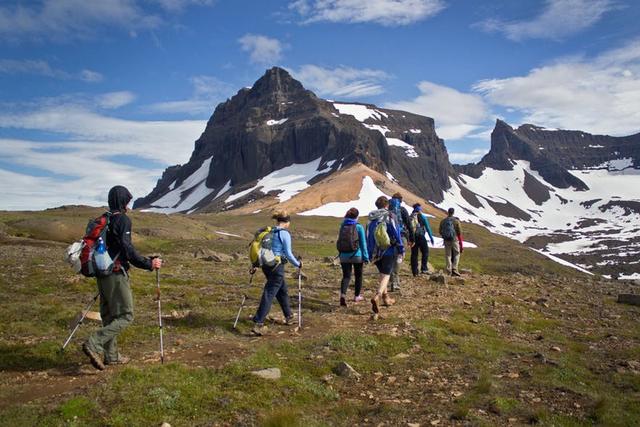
[96,229]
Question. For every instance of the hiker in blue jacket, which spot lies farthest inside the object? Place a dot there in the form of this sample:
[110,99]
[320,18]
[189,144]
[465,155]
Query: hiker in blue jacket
[420,228]
[276,285]
[384,259]
[402,221]
[352,245]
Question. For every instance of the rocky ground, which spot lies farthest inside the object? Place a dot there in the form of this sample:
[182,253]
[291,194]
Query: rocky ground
[517,340]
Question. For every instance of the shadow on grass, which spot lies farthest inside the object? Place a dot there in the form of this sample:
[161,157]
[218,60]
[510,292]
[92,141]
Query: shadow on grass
[22,357]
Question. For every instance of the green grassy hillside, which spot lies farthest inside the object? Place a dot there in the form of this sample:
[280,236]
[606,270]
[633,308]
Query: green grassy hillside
[518,340]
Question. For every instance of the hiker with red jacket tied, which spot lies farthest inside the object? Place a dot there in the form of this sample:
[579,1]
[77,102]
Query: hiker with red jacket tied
[352,245]
[116,300]
[276,287]
[402,223]
[419,224]
[452,235]
[384,244]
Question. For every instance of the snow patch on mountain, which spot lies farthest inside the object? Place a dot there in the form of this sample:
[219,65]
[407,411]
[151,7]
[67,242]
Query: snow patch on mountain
[175,201]
[360,112]
[289,180]
[408,148]
[588,220]
[276,122]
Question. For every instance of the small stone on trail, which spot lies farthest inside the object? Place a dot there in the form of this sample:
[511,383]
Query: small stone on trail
[413,424]
[165,425]
[268,374]
[435,422]
[555,348]
[439,278]
[345,370]
[465,302]
[327,378]
[401,356]
[474,320]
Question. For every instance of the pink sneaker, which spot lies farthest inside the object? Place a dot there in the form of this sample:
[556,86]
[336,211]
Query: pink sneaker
[358,298]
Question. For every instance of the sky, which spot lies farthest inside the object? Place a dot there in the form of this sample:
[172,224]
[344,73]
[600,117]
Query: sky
[99,93]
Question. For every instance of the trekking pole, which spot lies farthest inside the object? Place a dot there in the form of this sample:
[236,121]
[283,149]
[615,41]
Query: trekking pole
[159,315]
[244,298]
[79,322]
[300,296]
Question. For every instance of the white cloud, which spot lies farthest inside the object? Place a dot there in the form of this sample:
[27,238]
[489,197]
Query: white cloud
[94,152]
[597,95]
[42,68]
[560,19]
[90,76]
[470,157]
[179,5]
[456,114]
[262,49]
[115,100]
[341,82]
[207,92]
[385,12]
[71,19]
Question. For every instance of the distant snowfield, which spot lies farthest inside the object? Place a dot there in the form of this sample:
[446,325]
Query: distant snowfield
[365,203]
[173,201]
[289,180]
[581,215]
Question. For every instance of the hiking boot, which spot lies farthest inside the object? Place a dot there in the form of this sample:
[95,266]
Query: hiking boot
[374,304]
[358,298]
[289,320]
[387,301]
[343,301]
[456,274]
[94,358]
[121,360]
[259,329]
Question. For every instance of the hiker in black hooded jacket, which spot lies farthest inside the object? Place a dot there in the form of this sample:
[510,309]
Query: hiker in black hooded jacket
[116,300]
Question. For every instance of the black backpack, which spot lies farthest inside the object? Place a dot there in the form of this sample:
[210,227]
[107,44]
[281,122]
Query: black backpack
[348,240]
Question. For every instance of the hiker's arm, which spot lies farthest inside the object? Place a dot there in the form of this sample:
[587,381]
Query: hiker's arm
[130,252]
[456,225]
[286,246]
[363,243]
[428,227]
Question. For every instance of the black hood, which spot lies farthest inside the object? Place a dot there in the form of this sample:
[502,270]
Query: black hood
[119,198]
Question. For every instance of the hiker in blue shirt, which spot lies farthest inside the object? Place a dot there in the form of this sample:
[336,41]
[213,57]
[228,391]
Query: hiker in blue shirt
[384,259]
[352,245]
[420,228]
[276,285]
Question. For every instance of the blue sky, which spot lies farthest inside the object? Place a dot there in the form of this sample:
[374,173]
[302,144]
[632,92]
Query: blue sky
[94,94]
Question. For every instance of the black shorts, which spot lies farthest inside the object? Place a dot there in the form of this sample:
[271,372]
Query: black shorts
[385,264]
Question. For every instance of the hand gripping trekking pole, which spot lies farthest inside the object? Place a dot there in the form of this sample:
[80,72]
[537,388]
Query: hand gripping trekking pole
[79,322]
[244,298]
[159,315]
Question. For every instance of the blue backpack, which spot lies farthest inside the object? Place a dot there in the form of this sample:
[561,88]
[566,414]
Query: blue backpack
[396,209]
[448,229]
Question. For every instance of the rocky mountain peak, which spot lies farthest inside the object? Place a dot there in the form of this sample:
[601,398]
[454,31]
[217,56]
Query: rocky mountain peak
[278,124]
[277,80]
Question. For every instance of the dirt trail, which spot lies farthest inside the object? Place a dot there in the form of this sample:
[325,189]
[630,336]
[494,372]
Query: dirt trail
[420,298]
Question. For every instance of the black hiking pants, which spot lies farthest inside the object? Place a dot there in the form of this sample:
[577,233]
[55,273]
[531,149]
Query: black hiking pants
[420,246]
[346,276]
